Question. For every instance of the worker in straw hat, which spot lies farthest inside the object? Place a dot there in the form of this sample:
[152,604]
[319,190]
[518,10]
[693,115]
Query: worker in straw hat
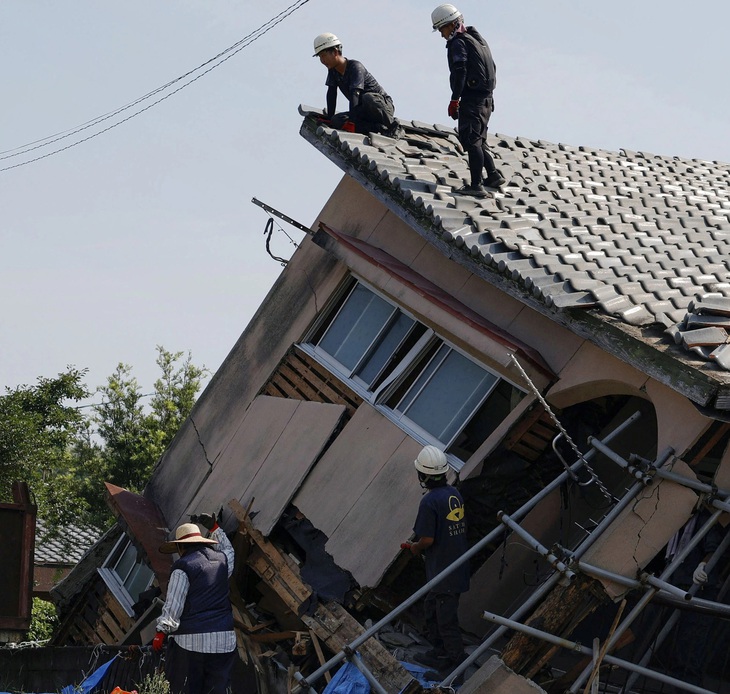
[197,611]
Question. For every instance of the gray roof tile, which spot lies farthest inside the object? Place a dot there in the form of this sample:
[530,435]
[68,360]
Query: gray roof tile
[635,235]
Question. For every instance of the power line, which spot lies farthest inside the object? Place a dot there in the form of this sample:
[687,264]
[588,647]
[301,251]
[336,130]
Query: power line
[221,58]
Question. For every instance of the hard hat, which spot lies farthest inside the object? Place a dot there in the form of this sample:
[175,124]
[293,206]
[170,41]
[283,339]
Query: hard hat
[431,461]
[325,41]
[443,15]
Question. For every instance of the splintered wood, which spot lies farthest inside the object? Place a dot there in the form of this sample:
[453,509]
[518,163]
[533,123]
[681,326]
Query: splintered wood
[330,622]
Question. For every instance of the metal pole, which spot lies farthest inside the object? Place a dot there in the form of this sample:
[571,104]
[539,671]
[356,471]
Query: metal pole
[535,544]
[714,559]
[485,541]
[649,594]
[376,686]
[552,580]
[573,646]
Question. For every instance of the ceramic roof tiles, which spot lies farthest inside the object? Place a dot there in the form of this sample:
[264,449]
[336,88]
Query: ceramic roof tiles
[66,550]
[642,238]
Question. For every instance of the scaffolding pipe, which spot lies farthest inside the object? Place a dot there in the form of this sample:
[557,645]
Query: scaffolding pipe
[374,684]
[552,580]
[549,556]
[578,648]
[484,542]
[634,470]
[662,635]
[649,594]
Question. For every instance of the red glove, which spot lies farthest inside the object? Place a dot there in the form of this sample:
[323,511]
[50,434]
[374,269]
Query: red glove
[405,545]
[158,641]
[349,126]
[454,108]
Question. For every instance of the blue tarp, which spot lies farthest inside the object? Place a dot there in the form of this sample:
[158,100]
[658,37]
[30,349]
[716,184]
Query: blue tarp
[89,683]
[349,680]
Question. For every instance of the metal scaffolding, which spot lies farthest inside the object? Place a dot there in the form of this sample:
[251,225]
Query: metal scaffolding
[566,564]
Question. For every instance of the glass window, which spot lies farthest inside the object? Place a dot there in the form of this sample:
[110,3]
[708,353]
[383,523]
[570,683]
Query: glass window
[445,393]
[126,574]
[399,365]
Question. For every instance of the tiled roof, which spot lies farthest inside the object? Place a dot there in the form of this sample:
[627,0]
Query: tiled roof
[630,235]
[65,550]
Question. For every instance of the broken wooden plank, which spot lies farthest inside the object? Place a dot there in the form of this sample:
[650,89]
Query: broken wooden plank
[337,628]
[331,622]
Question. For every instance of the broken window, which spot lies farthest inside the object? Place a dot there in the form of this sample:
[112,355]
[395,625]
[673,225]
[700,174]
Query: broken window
[416,378]
[125,574]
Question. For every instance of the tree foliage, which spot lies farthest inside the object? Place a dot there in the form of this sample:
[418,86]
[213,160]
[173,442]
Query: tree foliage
[38,427]
[66,453]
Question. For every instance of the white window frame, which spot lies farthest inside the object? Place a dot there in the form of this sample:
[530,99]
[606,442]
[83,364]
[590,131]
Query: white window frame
[386,389]
[115,582]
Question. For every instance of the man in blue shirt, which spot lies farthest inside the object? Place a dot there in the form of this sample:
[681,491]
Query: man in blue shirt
[371,110]
[197,611]
[473,77]
[440,530]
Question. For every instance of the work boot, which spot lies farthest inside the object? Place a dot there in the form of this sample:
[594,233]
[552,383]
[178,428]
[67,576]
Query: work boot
[494,180]
[476,191]
[434,658]
[395,131]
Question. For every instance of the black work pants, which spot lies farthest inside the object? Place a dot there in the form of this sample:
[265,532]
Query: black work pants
[474,114]
[441,613]
[190,672]
[374,114]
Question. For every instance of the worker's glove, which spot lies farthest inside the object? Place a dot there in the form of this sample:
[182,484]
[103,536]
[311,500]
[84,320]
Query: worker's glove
[700,575]
[208,521]
[158,641]
[349,126]
[454,108]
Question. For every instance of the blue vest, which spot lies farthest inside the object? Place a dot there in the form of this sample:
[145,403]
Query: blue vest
[207,605]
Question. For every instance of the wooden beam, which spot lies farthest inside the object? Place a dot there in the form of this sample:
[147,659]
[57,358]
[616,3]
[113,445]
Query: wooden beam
[332,624]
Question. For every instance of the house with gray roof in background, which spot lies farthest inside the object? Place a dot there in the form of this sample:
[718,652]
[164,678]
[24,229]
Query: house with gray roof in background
[564,341]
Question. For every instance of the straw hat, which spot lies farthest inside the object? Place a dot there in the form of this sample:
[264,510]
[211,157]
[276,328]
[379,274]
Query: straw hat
[187,533]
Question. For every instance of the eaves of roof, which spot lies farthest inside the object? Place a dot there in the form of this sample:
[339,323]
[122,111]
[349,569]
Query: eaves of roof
[615,246]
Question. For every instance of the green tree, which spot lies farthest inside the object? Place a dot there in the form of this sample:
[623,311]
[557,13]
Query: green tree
[132,439]
[38,427]
[43,620]
[65,454]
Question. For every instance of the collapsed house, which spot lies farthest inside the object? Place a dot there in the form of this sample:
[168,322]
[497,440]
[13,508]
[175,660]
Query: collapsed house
[564,341]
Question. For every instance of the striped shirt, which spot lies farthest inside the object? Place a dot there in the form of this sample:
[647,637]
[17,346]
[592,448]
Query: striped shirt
[177,591]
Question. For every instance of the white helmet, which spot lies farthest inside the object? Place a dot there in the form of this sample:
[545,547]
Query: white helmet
[431,461]
[325,41]
[443,15]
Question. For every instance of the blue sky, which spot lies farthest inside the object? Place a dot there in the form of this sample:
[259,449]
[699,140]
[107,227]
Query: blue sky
[146,234]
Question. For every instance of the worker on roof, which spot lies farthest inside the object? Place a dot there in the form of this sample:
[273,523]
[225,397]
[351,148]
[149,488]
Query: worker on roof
[197,612]
[371,110]
[440,529]
[473,76]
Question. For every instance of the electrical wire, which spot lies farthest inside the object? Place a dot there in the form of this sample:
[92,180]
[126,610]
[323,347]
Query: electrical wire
[221,58]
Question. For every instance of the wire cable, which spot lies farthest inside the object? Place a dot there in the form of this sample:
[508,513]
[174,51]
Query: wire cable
[221,58]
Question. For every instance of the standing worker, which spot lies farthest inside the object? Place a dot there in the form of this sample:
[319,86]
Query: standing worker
[371,110]
[197,612]
[441,531]
[473,77]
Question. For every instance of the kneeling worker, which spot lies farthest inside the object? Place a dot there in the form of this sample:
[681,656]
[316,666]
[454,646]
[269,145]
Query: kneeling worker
[371,110]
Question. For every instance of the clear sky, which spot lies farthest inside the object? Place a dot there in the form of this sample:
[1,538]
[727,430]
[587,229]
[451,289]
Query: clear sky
[146,235]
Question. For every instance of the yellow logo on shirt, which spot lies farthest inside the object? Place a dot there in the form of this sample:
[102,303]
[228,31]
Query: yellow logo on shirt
[456,512]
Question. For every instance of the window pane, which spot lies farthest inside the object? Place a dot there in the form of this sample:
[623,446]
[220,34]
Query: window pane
[389,343]
[501,401]
[445,395]
[126,561]
[356,326]
[138,580]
